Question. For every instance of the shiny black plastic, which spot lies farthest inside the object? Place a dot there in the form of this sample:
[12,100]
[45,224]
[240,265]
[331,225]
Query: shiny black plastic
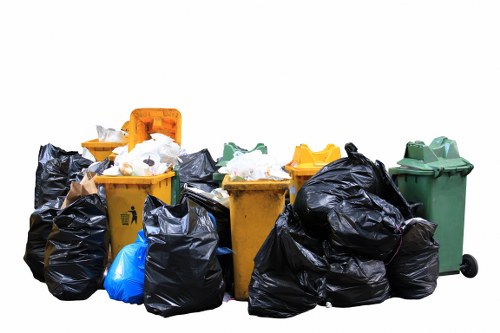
[56,170]
[289,273]
[182,274]
[372,247]
[414,270]
[353,280]
[77,249]
[222,218]
[197,170]
[347,202]
[41,221]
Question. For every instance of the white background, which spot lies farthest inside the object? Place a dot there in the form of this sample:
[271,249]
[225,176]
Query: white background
[377,73]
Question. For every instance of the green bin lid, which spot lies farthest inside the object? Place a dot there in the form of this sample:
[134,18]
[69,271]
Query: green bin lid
[441,156]
[230,149]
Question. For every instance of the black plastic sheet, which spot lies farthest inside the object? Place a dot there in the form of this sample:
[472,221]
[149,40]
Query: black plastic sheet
[77,249]
[41,221]
[289,273]
[56,170]
[182,273]
[414,270]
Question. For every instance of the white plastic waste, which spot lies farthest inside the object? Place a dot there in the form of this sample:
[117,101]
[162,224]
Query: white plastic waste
[218,194]
[109,134]
[148,158]
[254,166]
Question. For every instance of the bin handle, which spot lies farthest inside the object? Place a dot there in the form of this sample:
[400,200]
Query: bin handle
[438,172]
[467,171]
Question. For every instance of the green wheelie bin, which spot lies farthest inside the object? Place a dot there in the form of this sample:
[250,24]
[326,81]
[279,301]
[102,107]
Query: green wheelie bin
[434,177]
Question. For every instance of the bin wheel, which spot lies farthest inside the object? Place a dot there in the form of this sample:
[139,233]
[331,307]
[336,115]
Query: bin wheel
[469,266]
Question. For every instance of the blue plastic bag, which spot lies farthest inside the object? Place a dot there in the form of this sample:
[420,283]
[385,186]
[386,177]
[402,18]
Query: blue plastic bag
[125,279]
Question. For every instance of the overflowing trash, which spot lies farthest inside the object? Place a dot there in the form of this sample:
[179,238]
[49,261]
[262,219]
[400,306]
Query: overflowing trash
[110,134]
[182,273]
[254,166]
[348,237]
[359,239]
[148,158]
[125,278]
[230,150]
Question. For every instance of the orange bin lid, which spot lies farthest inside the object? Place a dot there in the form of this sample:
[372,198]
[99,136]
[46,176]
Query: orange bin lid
[145,121]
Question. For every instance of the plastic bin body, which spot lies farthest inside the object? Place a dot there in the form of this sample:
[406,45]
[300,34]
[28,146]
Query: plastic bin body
[102,150]
[144,122]
[230,149]
[176,187]
[125,197]
[254,208]
[436,177]
[306,163]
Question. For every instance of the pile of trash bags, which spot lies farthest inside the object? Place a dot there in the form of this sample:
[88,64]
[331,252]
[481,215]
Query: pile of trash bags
[349,239]
[68,238]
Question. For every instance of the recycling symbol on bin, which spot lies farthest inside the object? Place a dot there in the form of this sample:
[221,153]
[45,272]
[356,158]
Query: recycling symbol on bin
[125,217]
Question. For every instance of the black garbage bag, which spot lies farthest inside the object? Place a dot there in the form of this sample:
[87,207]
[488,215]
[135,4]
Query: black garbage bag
[355,202]
[182,273]
[414,270]
[78,163]
[218,210]
[41,221]
[223,226]
[289,273]
[365,225]
[56,170]
[197,170]
[77,249]
[353,280]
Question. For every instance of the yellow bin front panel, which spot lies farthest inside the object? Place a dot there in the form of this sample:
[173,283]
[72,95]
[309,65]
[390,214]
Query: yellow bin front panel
[125,198]
[254,208]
